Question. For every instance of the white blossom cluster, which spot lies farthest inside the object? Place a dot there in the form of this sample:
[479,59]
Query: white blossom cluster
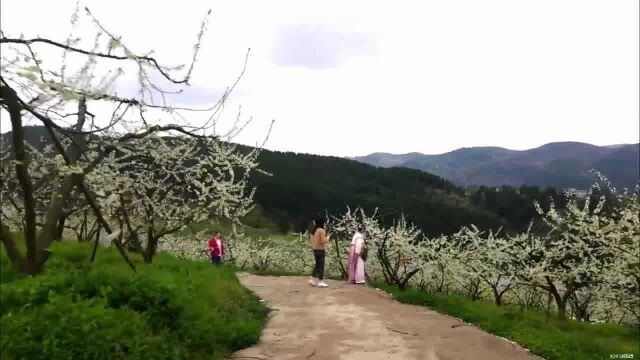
[44,169]
[247,253]
[157,186]
[135,165]
[152,187]
[586,266]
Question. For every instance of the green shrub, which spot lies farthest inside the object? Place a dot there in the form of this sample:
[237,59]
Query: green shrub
[68,329]
[173,308]
[8,272]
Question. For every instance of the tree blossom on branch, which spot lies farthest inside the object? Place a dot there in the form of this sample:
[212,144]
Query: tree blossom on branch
[61,98]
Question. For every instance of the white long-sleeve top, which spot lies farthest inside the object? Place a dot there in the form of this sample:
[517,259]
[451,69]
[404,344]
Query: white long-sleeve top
[358,241]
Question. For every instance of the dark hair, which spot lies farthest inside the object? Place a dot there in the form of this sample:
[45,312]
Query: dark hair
[319,223]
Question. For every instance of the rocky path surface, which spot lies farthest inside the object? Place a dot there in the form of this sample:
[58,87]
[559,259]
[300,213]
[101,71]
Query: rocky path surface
[355,322]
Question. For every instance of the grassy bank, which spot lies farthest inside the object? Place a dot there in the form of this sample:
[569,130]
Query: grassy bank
[545,336]
[173,309]
[263,230]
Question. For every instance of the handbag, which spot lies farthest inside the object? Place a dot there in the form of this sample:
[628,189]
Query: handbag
[364,252]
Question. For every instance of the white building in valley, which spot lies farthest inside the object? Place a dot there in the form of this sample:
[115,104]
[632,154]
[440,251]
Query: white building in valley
[580,194]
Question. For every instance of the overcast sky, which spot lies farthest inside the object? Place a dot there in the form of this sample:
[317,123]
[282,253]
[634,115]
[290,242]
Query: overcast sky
[352,77]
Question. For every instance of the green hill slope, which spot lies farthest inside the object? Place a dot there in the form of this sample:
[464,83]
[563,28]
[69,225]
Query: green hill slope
[304,186]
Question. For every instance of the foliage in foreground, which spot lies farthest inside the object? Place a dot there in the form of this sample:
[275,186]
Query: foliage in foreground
[141,175]
[173,309]
[541,334]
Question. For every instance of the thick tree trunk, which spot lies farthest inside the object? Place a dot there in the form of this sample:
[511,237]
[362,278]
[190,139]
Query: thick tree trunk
[560,300]
[79,181]
[62,191]
[475,290]
[133,241]
[150,251]
[581,307]
[562,308]
[441,284]
[60,228]
[403,284]
[497,295]
[59,196]
[34,256]
[547,309]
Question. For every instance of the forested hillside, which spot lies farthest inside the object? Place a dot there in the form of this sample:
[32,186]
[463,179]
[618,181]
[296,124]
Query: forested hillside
[302,186]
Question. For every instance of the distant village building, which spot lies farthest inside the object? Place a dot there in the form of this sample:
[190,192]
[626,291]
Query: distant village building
[580,194]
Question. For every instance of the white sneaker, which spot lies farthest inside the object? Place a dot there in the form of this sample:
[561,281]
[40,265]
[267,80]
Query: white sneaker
[322,284]
[313,282]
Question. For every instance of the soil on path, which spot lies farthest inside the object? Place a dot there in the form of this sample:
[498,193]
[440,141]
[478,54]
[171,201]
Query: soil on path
[354,322]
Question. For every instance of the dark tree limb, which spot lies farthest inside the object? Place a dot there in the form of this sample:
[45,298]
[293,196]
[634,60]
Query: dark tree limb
[10,99]
[150,60]
[95,246]
[133,234]
[79,181]
[62,189]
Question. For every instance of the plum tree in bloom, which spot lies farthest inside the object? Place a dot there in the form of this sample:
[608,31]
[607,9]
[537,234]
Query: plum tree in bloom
[573,256]
[290,256]
[439,260]
[190,246]
[165,183]
[398,252]
[54,94]
[394,251]
[588,260]
[622,234]
[464,264]
[43,170]
[491,259]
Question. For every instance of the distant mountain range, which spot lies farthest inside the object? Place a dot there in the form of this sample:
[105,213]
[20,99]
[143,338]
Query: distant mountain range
[560,164]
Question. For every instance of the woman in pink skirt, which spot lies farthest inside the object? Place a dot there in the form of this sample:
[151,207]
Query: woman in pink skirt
[356,263]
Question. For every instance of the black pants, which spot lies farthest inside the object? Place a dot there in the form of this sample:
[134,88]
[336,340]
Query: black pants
[216,260]
[318,270]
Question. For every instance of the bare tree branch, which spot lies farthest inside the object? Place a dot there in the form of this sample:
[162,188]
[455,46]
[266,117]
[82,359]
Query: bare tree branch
[147,59]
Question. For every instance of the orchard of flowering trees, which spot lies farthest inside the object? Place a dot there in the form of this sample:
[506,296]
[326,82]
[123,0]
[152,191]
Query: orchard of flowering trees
[131,167]
[141,173]
[586,266]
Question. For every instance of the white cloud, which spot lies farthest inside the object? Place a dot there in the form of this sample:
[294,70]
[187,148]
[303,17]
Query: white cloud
[317,47]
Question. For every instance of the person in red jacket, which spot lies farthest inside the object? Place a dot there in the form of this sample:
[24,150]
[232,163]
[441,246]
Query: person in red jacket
[216,248]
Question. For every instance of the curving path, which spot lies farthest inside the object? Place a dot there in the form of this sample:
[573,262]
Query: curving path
[354,322]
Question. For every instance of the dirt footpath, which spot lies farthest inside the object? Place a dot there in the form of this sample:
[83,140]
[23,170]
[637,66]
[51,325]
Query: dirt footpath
[354,322]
